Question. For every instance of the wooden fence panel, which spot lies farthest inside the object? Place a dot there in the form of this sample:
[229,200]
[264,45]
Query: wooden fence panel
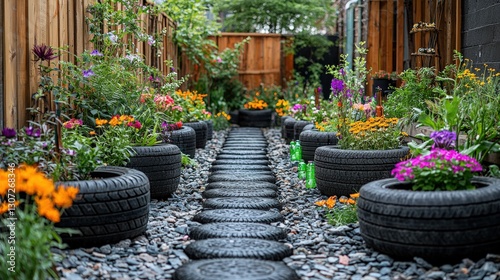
[387,48]
[262,61]
[57,23]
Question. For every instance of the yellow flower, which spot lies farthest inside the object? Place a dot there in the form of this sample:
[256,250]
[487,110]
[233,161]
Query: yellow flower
[100,122]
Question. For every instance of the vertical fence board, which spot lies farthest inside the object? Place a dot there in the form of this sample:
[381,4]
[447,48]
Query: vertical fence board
[10,57]
[400,35]
[2,34]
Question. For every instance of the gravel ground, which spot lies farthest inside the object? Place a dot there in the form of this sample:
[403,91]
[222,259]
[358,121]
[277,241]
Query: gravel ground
[321,251]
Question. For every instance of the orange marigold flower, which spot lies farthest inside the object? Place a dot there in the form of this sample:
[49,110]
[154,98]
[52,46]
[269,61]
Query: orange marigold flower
[351,201]
[320,203]
[4,207]
[46,209]
[100,122]
[354,195]
[343,199]
[92,133]
[64,196]
[330,202]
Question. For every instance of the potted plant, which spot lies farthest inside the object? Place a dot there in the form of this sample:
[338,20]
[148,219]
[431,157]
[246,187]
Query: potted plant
[383,81]
[434,208]
[195,114]
[368,147]
[255,113]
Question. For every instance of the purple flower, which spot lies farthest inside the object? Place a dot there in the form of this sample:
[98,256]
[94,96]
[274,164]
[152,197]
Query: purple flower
[96,53]
[43,52]
[88,73]
[443,139]
[172,69]
[69,152]
[30,131]
[319,89]
[9,132]
[298,107]
[337,86]
[342,71]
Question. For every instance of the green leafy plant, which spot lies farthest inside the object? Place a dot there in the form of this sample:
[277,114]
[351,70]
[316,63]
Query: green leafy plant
[417,87]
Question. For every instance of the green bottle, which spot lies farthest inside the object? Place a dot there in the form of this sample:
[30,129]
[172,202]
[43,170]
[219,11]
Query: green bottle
[292,151]
[302,170]
[310,176]
[298,151]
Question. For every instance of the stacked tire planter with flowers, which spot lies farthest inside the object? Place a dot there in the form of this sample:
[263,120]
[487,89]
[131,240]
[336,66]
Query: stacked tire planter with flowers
[255,114]
[434,208]
[312,139]
[162,165]
[235,239]
[111,207]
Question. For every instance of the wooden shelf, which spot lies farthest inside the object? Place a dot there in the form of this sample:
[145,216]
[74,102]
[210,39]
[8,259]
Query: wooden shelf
[425,54]
[430,29]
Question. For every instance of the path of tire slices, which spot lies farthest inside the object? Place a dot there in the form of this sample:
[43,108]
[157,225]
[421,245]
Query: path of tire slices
[236,240]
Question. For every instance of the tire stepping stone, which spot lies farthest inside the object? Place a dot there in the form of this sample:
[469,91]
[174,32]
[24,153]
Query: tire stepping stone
[241,185]
[240,167]
[263,203]
[237,268]
[238,248]
[239,192]
[235,240]
[232,230]
[242,157]
[241,162]
[238,216]
[241,178]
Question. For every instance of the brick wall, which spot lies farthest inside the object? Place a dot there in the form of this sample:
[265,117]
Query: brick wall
[481,32]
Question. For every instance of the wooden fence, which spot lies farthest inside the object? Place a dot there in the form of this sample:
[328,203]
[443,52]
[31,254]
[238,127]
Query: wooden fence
[57,23]
[390,22]
[263,60]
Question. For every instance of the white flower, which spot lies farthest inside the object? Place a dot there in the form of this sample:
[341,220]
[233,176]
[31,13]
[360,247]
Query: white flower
[133,57]
[112,37]
[151,40]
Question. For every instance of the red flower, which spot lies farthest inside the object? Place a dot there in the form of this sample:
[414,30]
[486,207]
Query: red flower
[179,124]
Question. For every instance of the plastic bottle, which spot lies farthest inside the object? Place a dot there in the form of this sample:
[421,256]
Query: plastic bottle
[310,176]
[302,170]
[298,151]
[292,151]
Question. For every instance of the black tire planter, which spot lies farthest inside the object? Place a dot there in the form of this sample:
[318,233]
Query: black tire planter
[200,128]
[289,124]
[243,185]
[343,172]
[282,123]
[312,139]
[233,230]
[238,216]
[255,118]
[261,203]
[298,127]
[108,209]
[309,127]
[249,248]
[238,268]
[439,226]
[162,165]
[185,139]
[210,129]
[234,116]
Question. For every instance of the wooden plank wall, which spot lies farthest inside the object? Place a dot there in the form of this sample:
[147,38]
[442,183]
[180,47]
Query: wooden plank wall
[263,60]
[386,33]
[57,23]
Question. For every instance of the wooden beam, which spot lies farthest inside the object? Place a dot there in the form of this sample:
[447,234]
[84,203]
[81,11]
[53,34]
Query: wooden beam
[23,61]
[390,37]
[400,35]
[10,60]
